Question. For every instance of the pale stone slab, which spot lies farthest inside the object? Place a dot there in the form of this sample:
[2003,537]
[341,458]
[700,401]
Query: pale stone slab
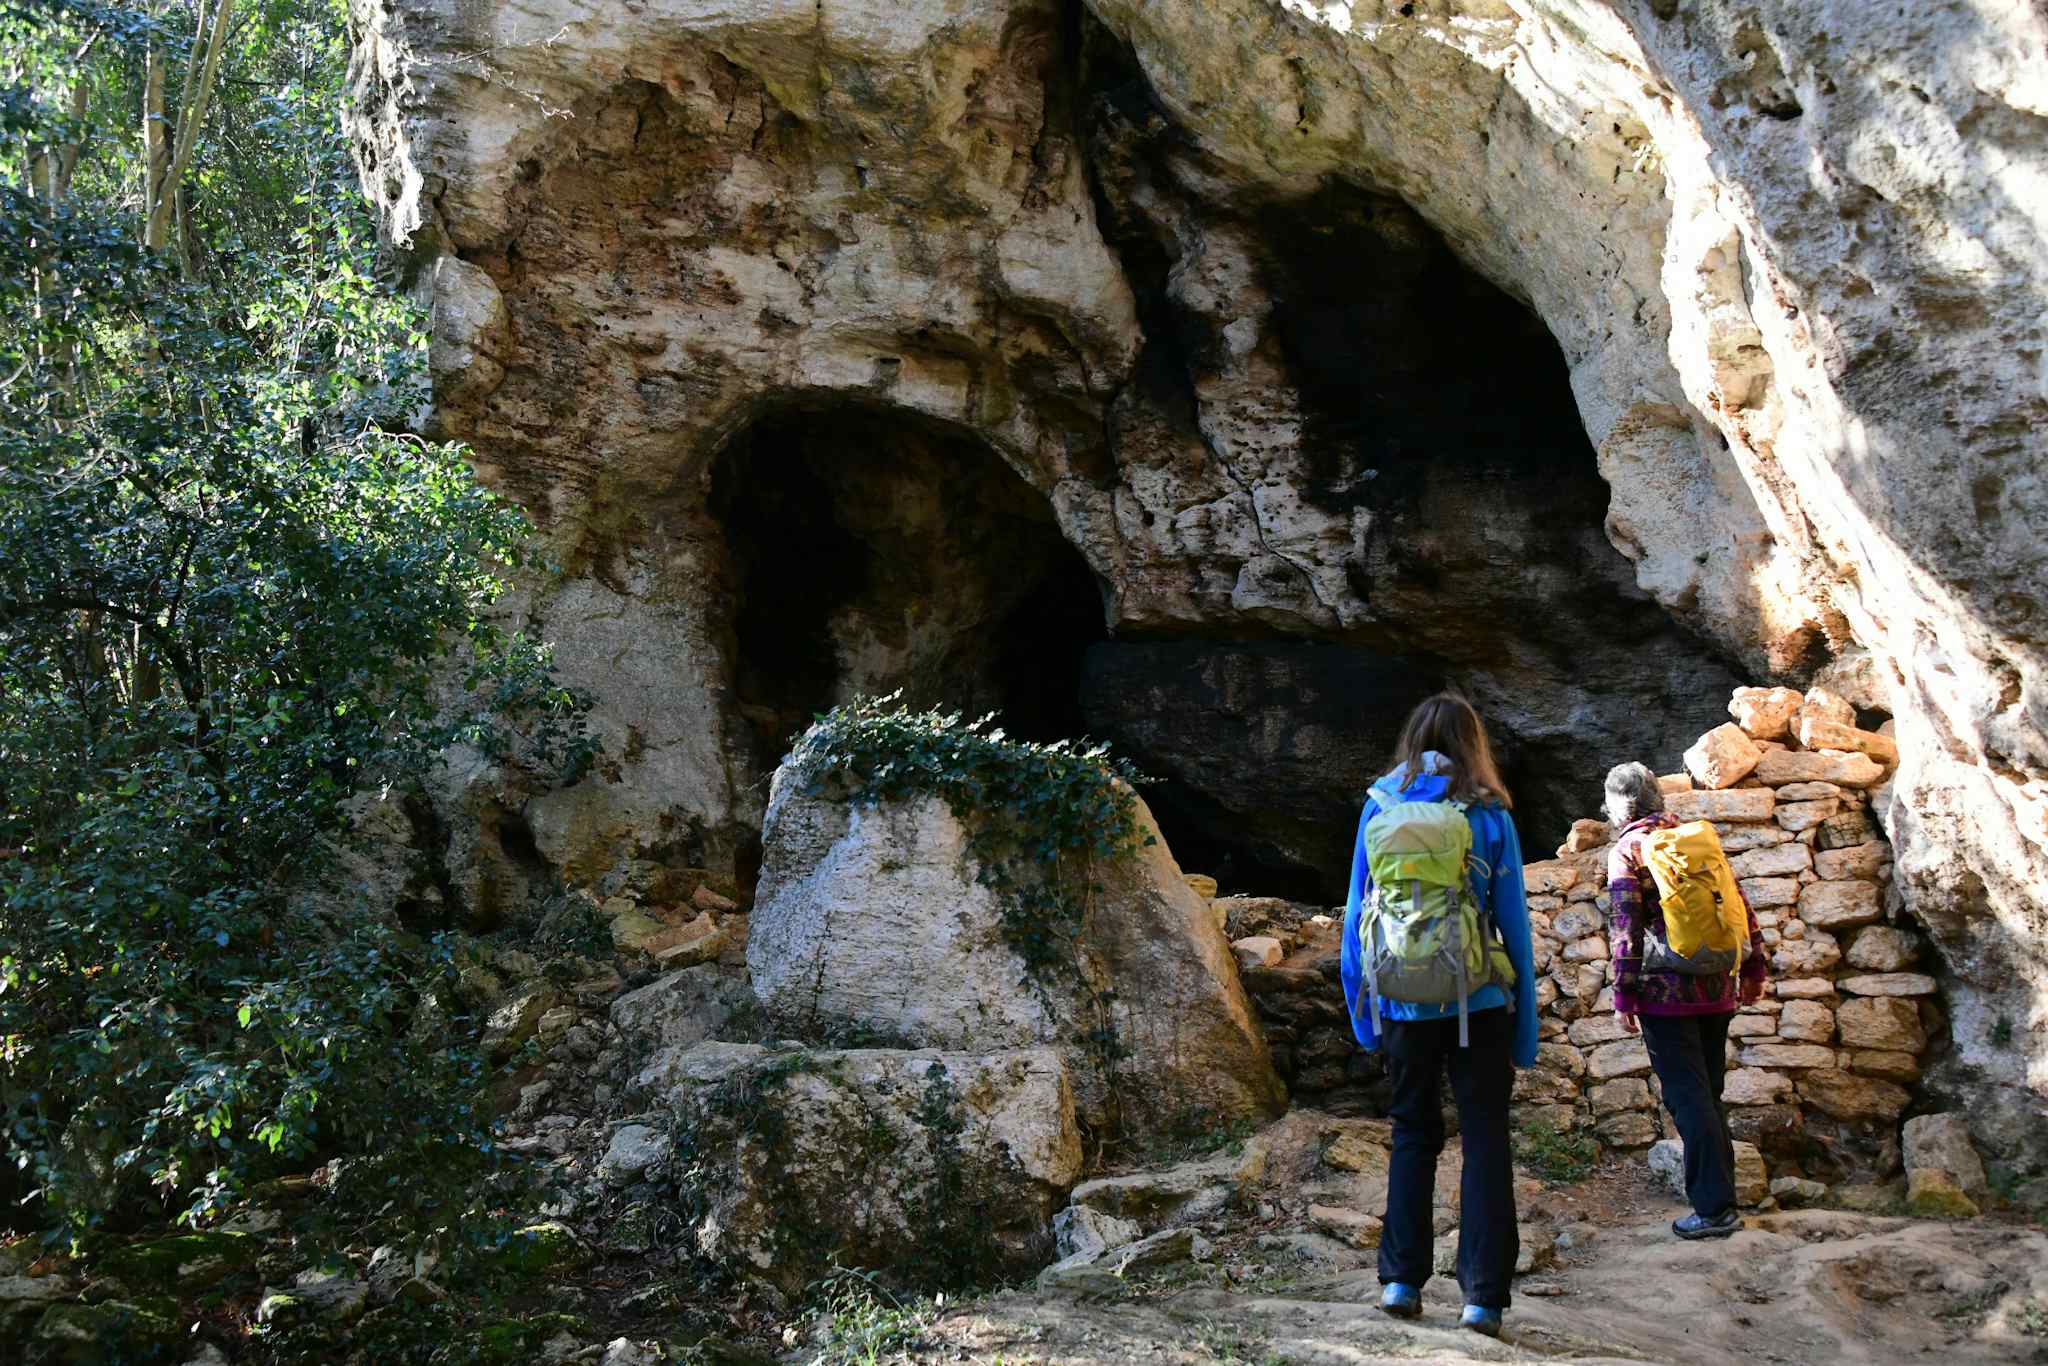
[1754,1086]
[1797,816]
[1890,984]
[1844,770]
[1619,1095]
[1839,905]
[1548,877]
[872,917]
[1817,733]
[1867,861]
[1738,839]
[1846,1095]
[1590,949]
[1765,713]
[1770,891]
[1882,949]
[1778,860]
[1790,1056]
[1815,952]
[1738,804]
[1577,922]
[1589,1031]
[1807,1022]
[1883,1023]
[1723,757]
[1624,1059]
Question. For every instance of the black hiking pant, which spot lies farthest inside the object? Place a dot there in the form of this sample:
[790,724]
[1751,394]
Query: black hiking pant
[1482,1075]
[1690,1052]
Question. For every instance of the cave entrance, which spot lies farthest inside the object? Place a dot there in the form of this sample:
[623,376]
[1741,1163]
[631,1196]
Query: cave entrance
[1422,424]
[873,550]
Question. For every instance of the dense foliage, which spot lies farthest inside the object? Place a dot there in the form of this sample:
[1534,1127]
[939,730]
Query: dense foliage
[233,594]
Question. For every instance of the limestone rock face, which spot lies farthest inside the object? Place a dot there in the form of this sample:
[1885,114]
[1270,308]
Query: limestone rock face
[1806,391]
[1159,289]
[1943,1141]
[871,918]
[949,1166]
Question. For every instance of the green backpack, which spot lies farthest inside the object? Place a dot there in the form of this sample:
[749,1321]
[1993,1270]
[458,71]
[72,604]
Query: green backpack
[1424,938]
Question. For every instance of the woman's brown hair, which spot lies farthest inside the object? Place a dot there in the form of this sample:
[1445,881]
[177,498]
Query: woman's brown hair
[1447,724]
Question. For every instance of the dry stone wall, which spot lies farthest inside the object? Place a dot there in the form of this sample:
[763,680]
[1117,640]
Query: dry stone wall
[1820,1069]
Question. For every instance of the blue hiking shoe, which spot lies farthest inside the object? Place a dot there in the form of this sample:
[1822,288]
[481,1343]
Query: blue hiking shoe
[1480,1319]
[1402,1301]
[1696,1226]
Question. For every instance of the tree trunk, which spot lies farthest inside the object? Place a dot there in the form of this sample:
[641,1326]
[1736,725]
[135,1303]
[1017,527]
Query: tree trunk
[200,72]
[156,156]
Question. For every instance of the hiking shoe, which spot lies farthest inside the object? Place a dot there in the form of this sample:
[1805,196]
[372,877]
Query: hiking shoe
[1480,1319]
[1402,1301]
[1700,1226]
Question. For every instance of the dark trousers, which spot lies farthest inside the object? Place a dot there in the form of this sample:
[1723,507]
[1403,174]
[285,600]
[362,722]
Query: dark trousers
[1482,1075]
[1690,1052]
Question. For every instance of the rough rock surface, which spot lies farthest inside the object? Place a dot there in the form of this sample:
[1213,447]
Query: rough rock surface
[1788,251]
[871,918]
[948,1166]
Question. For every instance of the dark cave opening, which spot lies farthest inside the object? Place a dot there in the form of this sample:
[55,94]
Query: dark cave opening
[873,551]
[1251,744]
[1436,414]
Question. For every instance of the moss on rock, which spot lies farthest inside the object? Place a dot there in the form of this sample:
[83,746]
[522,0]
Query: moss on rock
[114,1330]
[187,1262]
[538,1249]
[517,1340]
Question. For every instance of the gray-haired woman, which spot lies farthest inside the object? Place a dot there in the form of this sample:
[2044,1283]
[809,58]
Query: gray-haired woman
[1683,1019]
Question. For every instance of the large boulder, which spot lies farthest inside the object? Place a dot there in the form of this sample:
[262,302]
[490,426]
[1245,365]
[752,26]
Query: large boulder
[939,1166]
[872,919]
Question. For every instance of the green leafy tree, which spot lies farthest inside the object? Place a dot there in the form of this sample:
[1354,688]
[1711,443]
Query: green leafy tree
[231,598]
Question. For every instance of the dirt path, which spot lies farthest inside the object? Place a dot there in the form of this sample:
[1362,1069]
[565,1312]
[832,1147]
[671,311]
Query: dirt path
[1793,1287]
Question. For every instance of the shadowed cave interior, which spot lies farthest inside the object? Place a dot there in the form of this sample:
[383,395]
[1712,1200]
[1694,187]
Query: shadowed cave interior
[875,550]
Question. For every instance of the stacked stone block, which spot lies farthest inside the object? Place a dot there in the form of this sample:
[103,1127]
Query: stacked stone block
[1288,956]
[1818,1070]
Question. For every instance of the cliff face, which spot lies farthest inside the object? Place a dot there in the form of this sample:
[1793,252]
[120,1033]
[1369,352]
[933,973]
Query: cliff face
[1260,364]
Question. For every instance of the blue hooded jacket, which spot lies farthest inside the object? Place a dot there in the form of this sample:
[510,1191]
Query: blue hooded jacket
[1495,843]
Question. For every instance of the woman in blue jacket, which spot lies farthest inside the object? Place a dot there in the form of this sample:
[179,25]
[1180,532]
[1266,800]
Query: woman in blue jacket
[1444,755]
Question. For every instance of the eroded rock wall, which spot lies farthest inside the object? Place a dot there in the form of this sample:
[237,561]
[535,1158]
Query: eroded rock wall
[1792,255]
[1201,278]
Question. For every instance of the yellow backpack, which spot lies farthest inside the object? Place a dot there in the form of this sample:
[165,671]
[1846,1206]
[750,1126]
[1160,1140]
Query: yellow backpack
[1706,926]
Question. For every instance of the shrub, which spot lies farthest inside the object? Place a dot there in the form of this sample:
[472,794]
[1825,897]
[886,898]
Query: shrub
[229,600]
[1556,1156]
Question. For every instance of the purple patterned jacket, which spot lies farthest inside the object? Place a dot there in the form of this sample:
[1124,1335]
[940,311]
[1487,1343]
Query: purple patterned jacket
[1633,907]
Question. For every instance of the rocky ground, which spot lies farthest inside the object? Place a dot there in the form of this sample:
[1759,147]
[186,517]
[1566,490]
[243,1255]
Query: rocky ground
[1258,1250]
[1290,1276]
[1794,1286]
[1799,1287]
